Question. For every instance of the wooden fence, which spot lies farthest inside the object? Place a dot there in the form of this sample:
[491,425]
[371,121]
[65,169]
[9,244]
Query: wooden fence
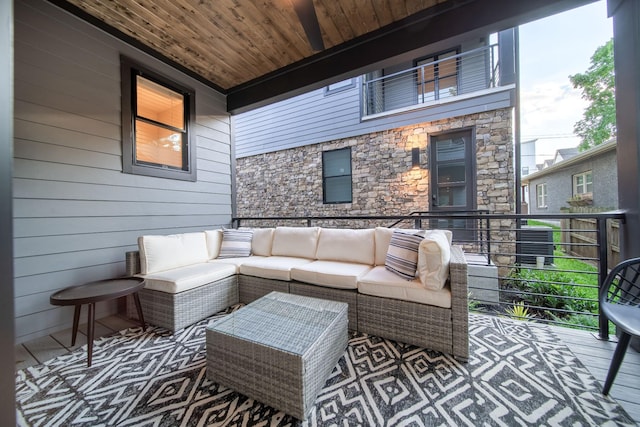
[579,238]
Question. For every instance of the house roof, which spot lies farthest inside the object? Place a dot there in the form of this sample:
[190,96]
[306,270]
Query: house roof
[257,52]
[595,151]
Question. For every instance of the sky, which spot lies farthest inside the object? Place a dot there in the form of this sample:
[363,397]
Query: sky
[551,49]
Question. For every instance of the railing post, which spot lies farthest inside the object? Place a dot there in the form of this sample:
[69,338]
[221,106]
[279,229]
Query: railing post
[417,223]
[603,264]
[488,243]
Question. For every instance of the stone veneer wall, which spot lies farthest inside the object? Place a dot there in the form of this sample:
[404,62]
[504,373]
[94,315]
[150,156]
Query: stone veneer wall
[289,182]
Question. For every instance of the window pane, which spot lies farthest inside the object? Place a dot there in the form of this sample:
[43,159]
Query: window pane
[336,163]
[452,196]
[452,149]
[159,103]
[337,189]
[155,144]
[453,172]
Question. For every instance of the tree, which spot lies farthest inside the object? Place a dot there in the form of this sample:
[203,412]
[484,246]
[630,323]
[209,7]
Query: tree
[598,122]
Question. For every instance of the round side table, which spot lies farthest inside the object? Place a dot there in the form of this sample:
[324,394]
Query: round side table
[90,293]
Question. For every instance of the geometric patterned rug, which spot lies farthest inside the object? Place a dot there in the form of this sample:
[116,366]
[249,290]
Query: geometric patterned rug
[518,374]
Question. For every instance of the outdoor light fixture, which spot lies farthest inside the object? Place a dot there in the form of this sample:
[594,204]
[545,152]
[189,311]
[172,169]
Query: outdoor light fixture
[415,157]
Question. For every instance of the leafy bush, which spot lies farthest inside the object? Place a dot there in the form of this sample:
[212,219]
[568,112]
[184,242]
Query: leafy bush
[550,290]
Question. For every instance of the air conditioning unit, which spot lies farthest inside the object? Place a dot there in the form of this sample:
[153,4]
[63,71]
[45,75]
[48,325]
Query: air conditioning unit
[534,241]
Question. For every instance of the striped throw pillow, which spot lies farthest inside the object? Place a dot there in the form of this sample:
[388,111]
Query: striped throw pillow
[235,243]
[402,255]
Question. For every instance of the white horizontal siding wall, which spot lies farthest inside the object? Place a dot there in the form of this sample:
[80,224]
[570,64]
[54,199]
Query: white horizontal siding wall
[75,212]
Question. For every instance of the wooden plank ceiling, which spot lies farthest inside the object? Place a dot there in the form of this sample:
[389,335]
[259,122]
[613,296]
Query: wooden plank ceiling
[231,42]
[256,51]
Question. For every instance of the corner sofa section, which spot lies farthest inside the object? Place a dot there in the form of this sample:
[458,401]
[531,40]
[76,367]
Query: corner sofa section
[193,275]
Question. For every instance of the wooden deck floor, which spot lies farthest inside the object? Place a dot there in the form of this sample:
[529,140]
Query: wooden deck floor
[594,354]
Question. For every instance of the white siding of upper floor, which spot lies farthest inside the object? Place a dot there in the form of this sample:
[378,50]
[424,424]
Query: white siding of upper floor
[318,116]
[75,212]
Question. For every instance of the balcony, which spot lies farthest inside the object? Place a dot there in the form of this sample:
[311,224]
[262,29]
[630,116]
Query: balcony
[451,77]
[514,261]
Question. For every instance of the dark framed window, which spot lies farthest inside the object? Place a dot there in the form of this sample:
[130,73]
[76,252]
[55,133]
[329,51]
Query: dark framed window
[157,124]
[336,176]
[437,76]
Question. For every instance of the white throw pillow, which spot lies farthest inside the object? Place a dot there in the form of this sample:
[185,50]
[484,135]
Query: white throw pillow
[161,253]
[402,255]
[434,255]
[235,243]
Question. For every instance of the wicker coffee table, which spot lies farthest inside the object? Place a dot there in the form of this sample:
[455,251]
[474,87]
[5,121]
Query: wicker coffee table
[278,350]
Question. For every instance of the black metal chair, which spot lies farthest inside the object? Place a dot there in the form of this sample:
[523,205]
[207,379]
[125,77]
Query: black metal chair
[620,302]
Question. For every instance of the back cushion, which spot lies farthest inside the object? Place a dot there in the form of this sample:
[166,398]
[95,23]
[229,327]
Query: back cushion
[262,241]
[347,245]
[214,239]
[160,253]
[298,242]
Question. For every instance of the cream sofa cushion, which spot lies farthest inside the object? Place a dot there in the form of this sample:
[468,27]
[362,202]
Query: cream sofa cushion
[346,245]
[273,267]
[332,274]
[381,282]
[299,242]
[160,253]
[214,240]
[262,241]
[434,255]
[181,279]
[237,262]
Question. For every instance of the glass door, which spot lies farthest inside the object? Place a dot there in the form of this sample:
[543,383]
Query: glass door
[453,181]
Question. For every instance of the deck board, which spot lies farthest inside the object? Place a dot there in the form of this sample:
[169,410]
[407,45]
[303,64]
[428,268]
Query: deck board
[594,354]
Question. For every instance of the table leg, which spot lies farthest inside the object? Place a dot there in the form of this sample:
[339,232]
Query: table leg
[90,325]
[76,320]
[136,299]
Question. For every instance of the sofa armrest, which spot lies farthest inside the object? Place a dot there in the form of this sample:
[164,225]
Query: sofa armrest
[459,303]
[132,263]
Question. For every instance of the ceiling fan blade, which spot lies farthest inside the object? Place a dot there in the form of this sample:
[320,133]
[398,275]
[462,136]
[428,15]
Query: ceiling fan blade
[309,20]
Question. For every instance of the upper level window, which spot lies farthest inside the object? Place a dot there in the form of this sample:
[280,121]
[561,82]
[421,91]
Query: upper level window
[156,125]
[541,195]
[339,86]
[437,76]
[336,176]
[582,183]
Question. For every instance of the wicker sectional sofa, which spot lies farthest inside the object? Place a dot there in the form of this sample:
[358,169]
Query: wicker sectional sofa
[194,275]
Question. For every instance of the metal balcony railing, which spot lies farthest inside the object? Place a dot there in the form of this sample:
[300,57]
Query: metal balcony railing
[438,81]
[542,268]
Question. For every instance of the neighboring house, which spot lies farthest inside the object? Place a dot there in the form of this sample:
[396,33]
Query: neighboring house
[565,154]
[588,179]
[430,133]
[528,157]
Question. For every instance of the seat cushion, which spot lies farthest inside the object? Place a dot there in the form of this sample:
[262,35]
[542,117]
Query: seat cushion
[160,253]
[333,274]
[236,261]
[298,242]
[273,267]
[346,245]
[184,278]
[381,282]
